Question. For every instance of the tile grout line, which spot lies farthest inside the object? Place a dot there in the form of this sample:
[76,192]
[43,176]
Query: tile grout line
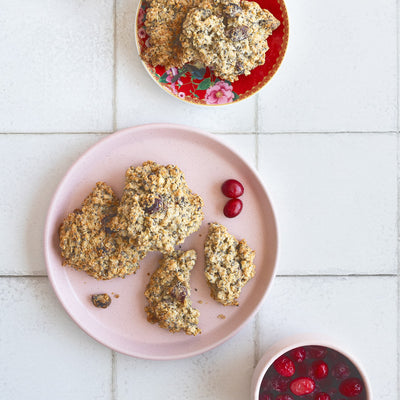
[217,133]
[256,329]
[113,386]
[55,133]
[256,115]
[398,259]
[394,275]
[114,94]
[113,376]
[331,133]
[398,189]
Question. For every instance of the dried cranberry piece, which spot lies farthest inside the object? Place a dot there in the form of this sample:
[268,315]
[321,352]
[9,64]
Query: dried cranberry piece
[351,387]
[179,292]
[284,366]
[156,206]
[302,386]
[320,369]
[233,208]
[237,33]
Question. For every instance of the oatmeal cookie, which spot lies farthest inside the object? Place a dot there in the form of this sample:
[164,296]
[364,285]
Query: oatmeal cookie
[229,264]
[157,209]
[229,36]
[88,244]
[163,24]
[168,294]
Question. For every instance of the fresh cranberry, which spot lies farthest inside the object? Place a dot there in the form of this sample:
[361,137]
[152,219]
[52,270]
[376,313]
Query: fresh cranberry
[278,383]
[233,208]
[301,369]
[284,366]
[316,351]
[351,387]
[264,383]
[341,370]
[320,369]
[298,354]
[232,188]
[322,396]
[264,396]
[302,386]
[284,397]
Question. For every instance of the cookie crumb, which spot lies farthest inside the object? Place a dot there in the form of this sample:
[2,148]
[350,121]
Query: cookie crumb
[221,316]
[102,300]
[200,301]
[116,295]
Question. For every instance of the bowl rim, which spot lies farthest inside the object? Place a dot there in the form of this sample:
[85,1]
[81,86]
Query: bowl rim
[288,343]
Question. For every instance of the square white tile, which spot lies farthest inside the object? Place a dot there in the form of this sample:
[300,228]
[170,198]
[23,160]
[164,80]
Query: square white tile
[32,167]
[57,66]
[335,197]
[223,373]
[44,354]
[340,70]
[140,100]
[358,313]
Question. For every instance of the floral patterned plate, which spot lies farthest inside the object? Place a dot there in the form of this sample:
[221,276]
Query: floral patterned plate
[195,84]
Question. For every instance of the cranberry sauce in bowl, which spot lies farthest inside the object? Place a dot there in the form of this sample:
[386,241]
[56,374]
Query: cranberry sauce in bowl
[309,372]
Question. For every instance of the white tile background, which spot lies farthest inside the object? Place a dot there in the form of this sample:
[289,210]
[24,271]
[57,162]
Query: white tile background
[323,134]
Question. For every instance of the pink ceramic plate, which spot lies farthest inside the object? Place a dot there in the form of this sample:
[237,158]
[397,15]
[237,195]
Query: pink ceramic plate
[206,163]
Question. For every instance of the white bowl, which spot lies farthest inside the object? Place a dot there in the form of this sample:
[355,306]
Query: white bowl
[293,342]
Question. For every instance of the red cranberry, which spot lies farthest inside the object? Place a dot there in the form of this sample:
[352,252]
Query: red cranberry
[316,351]
[233,208]
[351,387]
[279,383]
[232,188]
[264,383]
[302,386]
[298,354]
[284,397]
[322,396]
[320,369]
[301,369]
[341,370]
[264,396]
[284,366]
